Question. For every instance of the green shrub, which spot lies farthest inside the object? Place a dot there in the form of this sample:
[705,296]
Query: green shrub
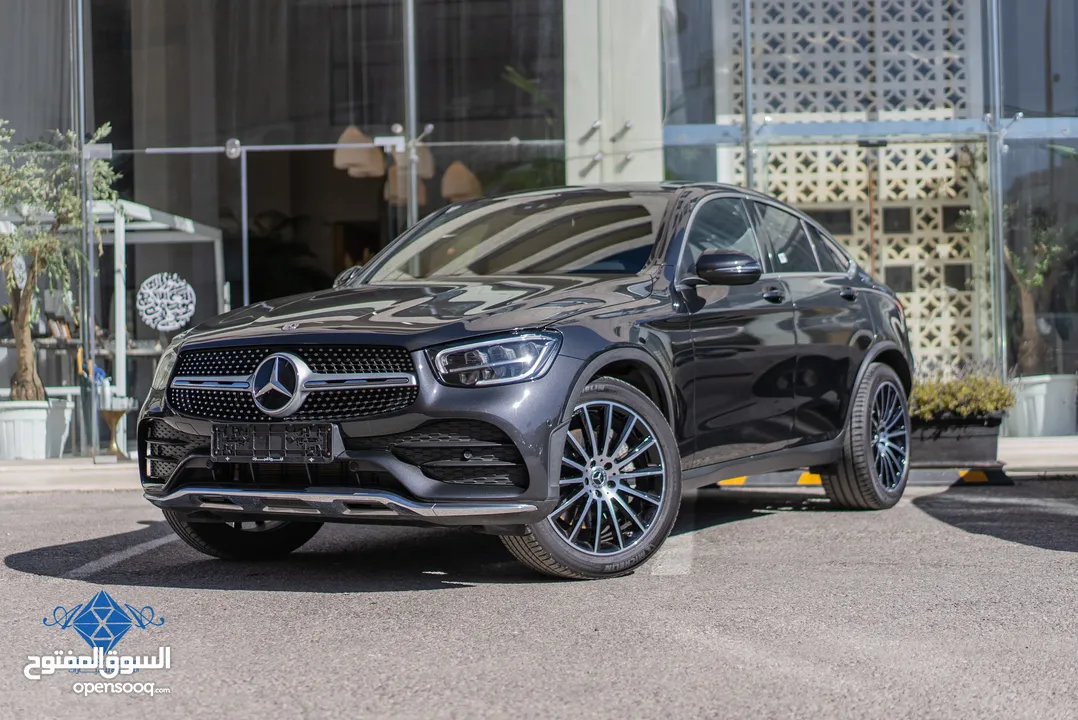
[969,390]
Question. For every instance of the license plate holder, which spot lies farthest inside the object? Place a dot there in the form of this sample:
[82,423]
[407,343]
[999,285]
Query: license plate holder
[272,443]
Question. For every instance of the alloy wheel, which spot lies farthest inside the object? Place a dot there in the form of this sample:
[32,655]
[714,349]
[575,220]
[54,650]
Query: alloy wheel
[613,480]
[890,436]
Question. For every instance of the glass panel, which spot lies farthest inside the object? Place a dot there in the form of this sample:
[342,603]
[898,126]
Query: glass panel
[462,171]
[37,91]
[1042,258]
[864,60]
[202,188]
[702,70]
[702,62]
[793,251]
[490,70]
[171,74]
[1040,57]
[721,224]
[705,163]
[309,220]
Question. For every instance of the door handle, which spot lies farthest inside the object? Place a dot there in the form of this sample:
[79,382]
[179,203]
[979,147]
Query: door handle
[847,293]
[774,294]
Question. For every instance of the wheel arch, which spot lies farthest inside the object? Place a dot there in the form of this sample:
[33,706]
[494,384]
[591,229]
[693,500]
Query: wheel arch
[894,358]
[890,354]
[632,366]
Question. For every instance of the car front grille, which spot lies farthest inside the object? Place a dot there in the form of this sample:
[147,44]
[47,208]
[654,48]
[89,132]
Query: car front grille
[320,359]
[460,452]
[165,447]
[328,405]
[325,405]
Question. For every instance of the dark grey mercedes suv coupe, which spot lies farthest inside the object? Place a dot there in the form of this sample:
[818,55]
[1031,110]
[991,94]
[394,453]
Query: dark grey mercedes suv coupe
[553,367]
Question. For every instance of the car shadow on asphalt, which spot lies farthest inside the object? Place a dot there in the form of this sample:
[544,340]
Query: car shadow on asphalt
[349,559]
[1038,513]
[712,505]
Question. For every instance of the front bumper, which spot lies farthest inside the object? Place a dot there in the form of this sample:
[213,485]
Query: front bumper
[341,505]
[370,483]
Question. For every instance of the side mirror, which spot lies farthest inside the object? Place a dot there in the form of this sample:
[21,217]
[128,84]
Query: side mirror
[727,267]
[343,279]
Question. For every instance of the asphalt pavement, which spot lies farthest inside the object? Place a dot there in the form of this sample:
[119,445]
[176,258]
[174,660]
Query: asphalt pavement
[961,602]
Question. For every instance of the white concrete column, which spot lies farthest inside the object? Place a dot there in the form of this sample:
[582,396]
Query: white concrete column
[583,113]
[613,91]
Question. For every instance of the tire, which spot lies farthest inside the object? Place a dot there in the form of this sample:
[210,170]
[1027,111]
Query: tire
[861,480]
[633,514]
[273,539]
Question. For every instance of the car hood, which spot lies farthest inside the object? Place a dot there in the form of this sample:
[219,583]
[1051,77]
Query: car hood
[418,315]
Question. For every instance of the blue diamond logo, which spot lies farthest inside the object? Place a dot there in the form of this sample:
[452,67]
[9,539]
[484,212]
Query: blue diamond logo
[102,622]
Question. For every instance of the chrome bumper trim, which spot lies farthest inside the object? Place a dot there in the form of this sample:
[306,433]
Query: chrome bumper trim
[365,503]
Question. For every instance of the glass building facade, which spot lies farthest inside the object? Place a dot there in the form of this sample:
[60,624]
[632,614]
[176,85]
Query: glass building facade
[937,139]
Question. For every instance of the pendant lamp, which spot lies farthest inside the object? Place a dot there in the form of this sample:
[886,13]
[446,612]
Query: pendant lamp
[425,166]
[360,162]
[460,183]
[396,189]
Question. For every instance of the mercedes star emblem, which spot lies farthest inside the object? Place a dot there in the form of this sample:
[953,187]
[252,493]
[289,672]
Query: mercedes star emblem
[277,384]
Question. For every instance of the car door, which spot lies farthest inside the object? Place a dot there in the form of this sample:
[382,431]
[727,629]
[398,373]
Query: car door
[744,345]
[834,329]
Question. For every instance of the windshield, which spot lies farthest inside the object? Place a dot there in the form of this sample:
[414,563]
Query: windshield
[567,232]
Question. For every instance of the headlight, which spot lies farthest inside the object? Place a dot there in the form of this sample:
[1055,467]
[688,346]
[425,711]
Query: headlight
[166,363]
[497,362]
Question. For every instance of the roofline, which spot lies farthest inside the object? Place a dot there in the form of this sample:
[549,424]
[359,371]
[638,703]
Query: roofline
[670,186]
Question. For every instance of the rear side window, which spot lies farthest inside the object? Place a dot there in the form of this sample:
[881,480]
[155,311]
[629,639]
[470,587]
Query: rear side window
[721,224]
[831,258]
[793,251]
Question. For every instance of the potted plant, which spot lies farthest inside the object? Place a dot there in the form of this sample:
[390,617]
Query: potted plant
[955,413]
[40,243]
[1038,259]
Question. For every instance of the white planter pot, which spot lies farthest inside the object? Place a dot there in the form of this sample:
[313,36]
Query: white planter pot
[58,426]
[1045,406]
[23,429]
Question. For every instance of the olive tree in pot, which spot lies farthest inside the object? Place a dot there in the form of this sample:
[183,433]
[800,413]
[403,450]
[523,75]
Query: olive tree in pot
[40,244]
[1038,249]
[1046,402]
[955,412]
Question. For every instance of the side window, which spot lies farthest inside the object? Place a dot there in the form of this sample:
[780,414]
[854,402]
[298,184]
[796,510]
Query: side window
[831,258]
[721,224]
[793,251]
